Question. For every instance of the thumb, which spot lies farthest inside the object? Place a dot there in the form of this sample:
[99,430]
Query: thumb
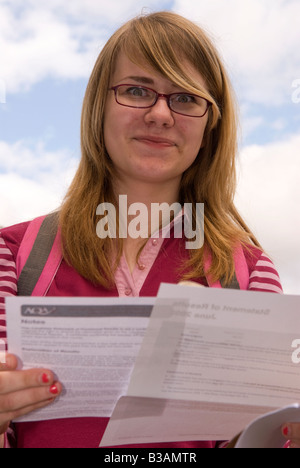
[9,362]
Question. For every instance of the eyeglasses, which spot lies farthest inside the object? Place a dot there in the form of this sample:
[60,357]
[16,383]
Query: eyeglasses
[139,97]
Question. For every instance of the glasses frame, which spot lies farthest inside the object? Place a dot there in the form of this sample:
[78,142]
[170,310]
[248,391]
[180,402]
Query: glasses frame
[159,95]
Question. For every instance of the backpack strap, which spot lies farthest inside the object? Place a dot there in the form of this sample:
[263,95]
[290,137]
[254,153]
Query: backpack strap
[240,279]
[39,256]
[241,268]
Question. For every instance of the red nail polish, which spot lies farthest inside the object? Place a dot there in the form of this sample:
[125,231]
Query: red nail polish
[45,378]
[53,390]
[286,431]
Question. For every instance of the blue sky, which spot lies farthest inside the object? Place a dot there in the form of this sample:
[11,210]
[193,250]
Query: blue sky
[48,49]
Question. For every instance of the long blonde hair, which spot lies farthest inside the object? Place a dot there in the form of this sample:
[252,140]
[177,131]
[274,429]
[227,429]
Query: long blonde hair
[161,39]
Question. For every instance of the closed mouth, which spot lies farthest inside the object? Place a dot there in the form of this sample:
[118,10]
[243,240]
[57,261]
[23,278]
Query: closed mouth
[155,141]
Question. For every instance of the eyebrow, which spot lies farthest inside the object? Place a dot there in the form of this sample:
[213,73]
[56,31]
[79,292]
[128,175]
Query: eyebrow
[140,79]
[144,80]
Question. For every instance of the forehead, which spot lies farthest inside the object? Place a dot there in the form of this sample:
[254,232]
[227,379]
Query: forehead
[144,73]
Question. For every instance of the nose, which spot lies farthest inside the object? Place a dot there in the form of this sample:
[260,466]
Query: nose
[160,113]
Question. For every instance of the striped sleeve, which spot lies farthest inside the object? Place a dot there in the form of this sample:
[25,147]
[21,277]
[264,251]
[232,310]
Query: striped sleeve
[264,276]
[8,282]
[8,287]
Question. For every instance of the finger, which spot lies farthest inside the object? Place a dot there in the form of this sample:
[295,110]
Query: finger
[9,363]
[18,413]
[291,431]
[19,380]
[22,402]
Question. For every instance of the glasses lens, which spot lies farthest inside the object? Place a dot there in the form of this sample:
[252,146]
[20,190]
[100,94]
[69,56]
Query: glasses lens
[142,98]
[188,104]
[135,96]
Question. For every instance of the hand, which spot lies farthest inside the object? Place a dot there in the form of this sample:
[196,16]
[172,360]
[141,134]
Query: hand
[291,432]
[24,391]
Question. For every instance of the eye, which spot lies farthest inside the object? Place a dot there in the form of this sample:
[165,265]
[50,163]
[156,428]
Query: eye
[137,92]
[184,99]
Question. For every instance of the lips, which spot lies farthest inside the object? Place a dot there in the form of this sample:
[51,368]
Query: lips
[155,141]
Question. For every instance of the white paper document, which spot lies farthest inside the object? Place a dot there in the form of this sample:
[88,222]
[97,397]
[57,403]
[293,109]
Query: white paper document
[211,362]
[221,346]
[202,364]
[90,344]
[141,420]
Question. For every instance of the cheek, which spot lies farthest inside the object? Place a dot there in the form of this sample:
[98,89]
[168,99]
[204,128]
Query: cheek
[193,139]
[118,123]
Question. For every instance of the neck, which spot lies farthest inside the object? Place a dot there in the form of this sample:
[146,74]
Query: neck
[136,205]
[147,194]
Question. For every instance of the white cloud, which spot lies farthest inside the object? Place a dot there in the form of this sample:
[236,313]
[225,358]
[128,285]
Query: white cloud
[268,197]
[259,40]
[23,199]
[33,181]
[33,161]
[37,45]
[40,38]
[110,14]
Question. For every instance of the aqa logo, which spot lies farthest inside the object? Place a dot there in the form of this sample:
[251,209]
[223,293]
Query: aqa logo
[296,353]
[37,311]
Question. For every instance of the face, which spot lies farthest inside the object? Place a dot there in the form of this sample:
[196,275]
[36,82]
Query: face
[153,145]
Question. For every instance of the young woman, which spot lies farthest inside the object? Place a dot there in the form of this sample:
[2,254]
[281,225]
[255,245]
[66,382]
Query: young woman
[158,126]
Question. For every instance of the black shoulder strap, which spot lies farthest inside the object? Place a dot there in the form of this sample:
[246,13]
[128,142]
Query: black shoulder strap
[38,255]
[234,284]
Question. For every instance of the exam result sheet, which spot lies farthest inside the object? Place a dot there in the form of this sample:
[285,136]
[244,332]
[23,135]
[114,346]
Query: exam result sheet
[90,344]
[211,362]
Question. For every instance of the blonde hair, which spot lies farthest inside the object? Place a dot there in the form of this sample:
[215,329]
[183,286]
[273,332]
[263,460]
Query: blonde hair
[161,40]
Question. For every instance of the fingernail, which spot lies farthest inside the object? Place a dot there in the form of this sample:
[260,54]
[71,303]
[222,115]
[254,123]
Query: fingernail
[286,431]
[45,378]
[54,390]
